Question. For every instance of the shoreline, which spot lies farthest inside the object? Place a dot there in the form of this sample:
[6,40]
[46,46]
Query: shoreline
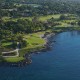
[41,48]
[27,56]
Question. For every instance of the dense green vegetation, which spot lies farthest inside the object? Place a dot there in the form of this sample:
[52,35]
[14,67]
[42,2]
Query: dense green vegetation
[22,23]
[23,8]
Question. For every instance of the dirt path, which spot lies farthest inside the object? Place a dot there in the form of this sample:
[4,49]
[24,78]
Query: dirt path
[16,50]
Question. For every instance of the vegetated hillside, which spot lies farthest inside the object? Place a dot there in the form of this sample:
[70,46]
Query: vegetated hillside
[20,8]
[43,1]
[38,1]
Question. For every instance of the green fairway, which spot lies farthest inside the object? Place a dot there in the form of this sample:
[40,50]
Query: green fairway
[41,18]
[44,18]
[6,44]
[14,59]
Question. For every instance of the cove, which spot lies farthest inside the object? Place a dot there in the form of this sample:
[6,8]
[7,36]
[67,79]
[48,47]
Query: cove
[61,63]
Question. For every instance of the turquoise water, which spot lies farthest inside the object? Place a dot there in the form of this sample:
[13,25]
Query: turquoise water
[61,63]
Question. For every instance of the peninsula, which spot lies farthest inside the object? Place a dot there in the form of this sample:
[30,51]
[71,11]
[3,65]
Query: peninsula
[24,26]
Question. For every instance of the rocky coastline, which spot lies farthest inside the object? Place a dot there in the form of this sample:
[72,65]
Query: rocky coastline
[27,56]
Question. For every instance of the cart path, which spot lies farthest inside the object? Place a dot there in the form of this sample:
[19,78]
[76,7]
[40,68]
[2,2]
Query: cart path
[16,50]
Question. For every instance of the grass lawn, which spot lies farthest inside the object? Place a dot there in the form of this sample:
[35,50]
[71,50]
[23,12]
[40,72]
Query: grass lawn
[44,18]
[34,38]
[6,44]
[41,18]
[34,41]
[15,59]
[5,19]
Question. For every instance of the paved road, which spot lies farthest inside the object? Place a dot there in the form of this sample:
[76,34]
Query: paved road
[17,53]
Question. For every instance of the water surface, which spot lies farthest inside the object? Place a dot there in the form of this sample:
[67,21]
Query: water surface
[61,63]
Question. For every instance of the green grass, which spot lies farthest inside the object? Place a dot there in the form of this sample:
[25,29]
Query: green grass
[34,39]
[44,18]
[41,18]
[15,59]
[5,19]
[6,44]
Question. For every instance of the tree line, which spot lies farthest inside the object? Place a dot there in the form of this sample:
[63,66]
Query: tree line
[21,8]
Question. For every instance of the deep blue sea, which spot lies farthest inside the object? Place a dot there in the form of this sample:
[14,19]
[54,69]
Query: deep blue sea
[61,63]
